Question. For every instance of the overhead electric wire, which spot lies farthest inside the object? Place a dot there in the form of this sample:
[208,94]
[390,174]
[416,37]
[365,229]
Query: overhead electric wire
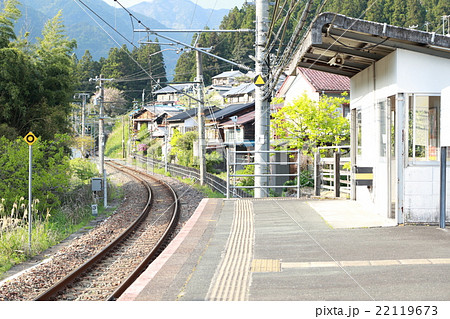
[132,58]
[286,57]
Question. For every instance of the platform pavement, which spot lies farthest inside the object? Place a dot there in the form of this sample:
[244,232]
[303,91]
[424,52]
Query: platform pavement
[278,249]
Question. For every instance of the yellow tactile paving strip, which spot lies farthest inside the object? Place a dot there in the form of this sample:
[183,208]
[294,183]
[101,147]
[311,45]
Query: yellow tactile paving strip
[232,279]
[366,263]
[266,265]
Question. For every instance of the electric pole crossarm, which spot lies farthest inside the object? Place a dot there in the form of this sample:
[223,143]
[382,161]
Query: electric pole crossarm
[195,31]
[241,66]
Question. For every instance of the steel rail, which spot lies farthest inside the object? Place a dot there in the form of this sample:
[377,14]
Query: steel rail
[72,276]
[156,249]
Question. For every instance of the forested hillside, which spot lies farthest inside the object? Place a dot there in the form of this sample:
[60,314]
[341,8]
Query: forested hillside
[423,15]
[36,81]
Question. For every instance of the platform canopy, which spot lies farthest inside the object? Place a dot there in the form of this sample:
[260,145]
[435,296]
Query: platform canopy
[343,45]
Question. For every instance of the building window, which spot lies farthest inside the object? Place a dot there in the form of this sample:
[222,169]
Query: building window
[231,136]
[382,128]
[424,127]
[359,130]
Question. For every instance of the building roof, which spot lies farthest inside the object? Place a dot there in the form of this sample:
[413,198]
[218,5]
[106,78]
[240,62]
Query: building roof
[228,74]
[191,113]
[156,110]
[174,88]
[244,88]
[241,120]
[324,81]
[230,111]
[346,46]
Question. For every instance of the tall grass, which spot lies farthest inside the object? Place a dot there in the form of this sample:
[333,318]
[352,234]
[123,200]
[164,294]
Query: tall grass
[113,147]
[50,226]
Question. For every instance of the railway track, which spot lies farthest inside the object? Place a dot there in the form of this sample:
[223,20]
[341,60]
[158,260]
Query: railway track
[106,275]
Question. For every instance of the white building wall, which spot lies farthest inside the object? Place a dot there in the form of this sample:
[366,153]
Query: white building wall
[300,86]
[430,75]
[400,72]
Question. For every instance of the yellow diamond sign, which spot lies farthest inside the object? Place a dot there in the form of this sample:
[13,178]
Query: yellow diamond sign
[30,138]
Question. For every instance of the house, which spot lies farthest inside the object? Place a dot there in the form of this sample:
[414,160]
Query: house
[239,130]
[244,93]
[215,131]
[187,121]
[170,95]
[399,81]
[229,78]
[314,84]
[155,117]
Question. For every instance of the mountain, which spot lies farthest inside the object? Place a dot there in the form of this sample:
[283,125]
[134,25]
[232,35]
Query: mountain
[82,24]
[180,14]
[85,27]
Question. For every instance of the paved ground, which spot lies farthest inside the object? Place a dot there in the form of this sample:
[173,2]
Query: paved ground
[298,250]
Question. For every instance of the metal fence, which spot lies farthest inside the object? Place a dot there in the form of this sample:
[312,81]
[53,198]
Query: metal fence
[233,177]
[328,171]
[215,183]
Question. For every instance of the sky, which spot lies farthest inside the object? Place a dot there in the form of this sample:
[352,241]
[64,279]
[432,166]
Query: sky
[207,4]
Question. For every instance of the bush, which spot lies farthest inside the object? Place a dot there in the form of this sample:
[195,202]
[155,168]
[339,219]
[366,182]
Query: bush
[83,170]
[51,171]
[213,159]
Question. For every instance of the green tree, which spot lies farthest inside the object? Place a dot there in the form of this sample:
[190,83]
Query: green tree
[19,94]
[415,14]
[151,60]
[398,17]
[51,172]
[376,12]
[185,68]
[183,147]
[232,46]
[8,16]
[55,64]
[86,69]
[307,124]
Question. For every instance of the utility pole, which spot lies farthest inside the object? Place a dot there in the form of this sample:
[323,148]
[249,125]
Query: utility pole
[262,106]
[201,120]
[83,118]
[101,138]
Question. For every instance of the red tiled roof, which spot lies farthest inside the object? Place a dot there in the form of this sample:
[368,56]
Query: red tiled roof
[324,81]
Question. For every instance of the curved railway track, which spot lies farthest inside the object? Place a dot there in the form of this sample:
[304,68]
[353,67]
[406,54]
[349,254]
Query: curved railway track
[106,275]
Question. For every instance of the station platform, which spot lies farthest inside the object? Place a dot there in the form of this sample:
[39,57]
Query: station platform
[296,250]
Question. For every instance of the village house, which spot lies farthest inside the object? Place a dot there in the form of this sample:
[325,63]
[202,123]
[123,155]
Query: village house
[244,93]
[399,106]
[314,84]
[215,131]
[154,117]
[227,79]
[170,95]
[187,121]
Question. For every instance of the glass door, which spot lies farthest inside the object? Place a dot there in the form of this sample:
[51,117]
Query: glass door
[392,164]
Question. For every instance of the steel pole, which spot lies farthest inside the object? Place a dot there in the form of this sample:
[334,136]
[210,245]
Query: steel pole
[201,120]
[101,143]
[443,188]
[262,113]
[30,197]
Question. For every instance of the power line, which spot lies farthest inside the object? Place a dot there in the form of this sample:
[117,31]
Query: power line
[132,58]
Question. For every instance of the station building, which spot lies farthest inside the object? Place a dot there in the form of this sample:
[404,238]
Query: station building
[400,109]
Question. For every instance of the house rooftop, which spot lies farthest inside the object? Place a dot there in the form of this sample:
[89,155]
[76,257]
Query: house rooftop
[327,82]
[228,74]
[191,113]
[174,88]
[346,46]
[244,88]
[243,119]
[230,111]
